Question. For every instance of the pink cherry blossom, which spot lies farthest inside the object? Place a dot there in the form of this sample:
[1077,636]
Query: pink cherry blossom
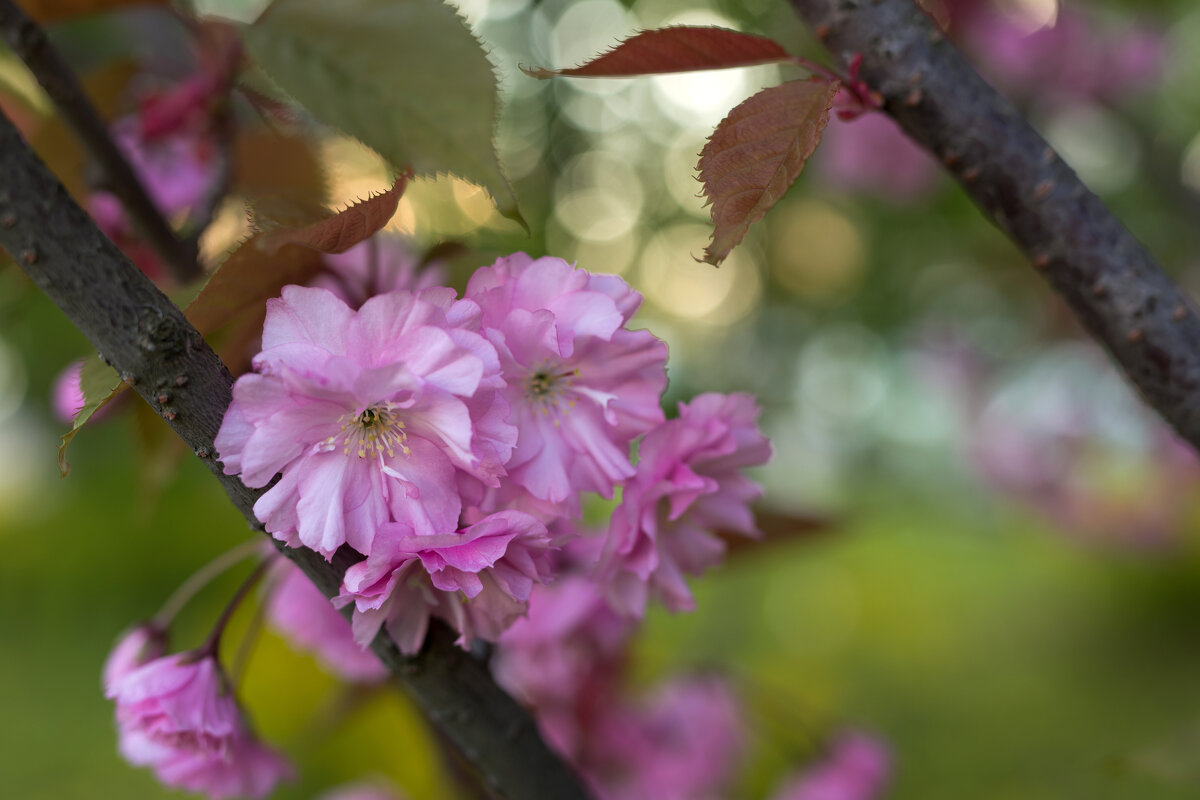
[689,484]
[366,415]
[67,395]
[178,699]
[1075,57]
[176,170]
[478,580]
[684,743]
[564,659]
[871,153]
[298,610]
[581,385]
[177,715]
[136,647]
[381,264]
[569,636]
[855,768]
[245,767]
[363,791]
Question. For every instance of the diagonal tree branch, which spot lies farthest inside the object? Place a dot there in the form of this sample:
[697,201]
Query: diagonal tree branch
[1144,321]
[150,343]
[29,42]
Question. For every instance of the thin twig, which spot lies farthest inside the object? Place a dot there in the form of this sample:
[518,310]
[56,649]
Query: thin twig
[213,643]
[1116,290]
[202,577]
[29,42]
[150,343]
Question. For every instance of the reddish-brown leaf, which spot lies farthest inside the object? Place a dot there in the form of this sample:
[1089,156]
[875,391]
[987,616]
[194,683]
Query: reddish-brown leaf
[247,279]
[266,262]
[757,152]
[270,164]
[680,48]
[778,528]
[346,228]
[50,11]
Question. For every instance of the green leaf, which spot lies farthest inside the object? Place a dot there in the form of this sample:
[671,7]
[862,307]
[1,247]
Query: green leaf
[100,384]
[405,77]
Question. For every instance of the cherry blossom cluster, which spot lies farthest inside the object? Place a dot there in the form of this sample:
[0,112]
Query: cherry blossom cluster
[177,715]
[685,738]
[450,442]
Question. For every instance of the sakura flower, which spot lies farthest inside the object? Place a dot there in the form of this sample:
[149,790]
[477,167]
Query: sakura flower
[856,768]
[569,635]
[580,385]
[178,699]
[689,484]
[368,416]
[684,743]
[363,791]
[299,611]
[245,768]
[67,395]
[177,715]
[478,579]
[380,264]
[135,648]
[564,659]
[871,153]
[1076,57]
[176,170]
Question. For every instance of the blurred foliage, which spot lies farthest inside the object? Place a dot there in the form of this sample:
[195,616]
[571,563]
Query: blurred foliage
[881,321]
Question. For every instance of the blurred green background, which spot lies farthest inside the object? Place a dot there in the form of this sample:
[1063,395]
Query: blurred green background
[1006,582]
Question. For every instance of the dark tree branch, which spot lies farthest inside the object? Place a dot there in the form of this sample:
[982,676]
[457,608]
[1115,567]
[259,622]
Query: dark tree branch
[150,343]
[1148,326]
[29,42]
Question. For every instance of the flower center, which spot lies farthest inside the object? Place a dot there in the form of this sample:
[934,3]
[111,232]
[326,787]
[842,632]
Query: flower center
[373,431]
[546,384]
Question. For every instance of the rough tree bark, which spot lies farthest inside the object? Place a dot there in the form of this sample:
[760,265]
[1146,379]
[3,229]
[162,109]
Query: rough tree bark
[1144,321]
[150,343]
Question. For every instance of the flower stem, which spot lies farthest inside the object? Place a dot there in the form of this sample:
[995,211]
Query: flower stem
[246,646]
[201,578]
[212,644]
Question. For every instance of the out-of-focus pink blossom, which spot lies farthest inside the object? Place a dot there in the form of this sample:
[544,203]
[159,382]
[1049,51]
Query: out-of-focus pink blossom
[478,579]
[580,385]
[568,636]
[176,171]
[244,767]
[367,415]
[135,648]
[1067,438]
[363,791]
[689,484]
[684,743]
[1074,58]
[380,264]
[856,767]
[299,611]
[177,715]
[870,153]
[178,699]
[68,397]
